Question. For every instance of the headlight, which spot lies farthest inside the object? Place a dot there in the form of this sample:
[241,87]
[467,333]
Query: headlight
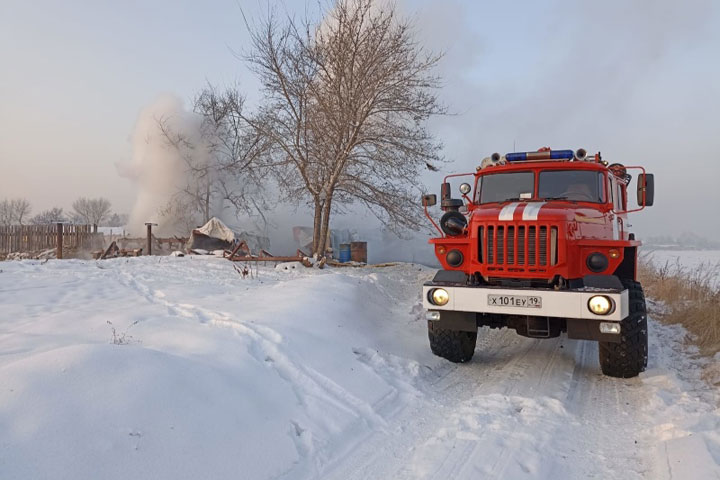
[438,296]
[454,258]
[597,262]
[601,305]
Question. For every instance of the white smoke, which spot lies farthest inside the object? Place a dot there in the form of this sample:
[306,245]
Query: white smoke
[157,167]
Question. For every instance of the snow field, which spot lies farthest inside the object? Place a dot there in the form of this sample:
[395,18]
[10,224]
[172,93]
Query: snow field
[306,373]
[690,259]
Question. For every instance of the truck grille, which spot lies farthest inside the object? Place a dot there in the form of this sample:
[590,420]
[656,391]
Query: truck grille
[519,245]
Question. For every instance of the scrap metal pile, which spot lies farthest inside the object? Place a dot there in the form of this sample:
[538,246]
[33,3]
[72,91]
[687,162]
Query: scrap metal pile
[242,253]
[215,238]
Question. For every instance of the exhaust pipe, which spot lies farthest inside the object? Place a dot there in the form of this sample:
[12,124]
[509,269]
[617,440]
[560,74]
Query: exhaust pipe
[580,154]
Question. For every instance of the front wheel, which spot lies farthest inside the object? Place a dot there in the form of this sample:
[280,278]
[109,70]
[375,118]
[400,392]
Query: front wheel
[628,357]
[456,346]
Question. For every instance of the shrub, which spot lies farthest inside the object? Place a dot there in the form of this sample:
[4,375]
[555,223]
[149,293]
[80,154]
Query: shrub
[690,297]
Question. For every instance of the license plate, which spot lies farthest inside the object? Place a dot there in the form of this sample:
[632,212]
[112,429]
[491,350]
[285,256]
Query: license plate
[522,301]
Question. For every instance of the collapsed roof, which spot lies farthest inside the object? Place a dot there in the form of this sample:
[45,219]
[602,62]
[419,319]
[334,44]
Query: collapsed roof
[215,228]
[214,235]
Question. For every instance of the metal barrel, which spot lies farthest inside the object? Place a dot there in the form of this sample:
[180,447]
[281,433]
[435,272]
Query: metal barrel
[358,252]
[344,253]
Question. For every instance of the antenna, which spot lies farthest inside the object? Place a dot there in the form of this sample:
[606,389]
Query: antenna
[514,145]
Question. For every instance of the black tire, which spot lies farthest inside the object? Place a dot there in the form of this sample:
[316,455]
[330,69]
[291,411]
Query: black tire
[453,345]
[628,357]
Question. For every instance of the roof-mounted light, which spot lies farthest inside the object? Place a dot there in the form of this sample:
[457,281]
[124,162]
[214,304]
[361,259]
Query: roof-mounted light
[544,155]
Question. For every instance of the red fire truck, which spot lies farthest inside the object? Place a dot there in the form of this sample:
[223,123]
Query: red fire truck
[539,243]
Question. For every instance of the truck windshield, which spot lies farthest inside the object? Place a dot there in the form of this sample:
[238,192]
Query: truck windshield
[499,187]
[576,185]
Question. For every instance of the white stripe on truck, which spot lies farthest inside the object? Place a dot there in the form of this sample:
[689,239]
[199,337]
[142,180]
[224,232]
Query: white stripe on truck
[507,212]
[532,210]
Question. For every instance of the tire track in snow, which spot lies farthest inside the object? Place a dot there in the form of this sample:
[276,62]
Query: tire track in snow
[554,347]
[517,410]
[519,374]
[513,369]
[308,385]
[391,455]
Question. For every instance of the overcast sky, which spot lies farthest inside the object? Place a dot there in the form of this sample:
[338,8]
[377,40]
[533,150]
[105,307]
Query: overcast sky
[637,80]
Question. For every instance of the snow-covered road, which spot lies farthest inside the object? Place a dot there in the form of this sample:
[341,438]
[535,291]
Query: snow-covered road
[315,374]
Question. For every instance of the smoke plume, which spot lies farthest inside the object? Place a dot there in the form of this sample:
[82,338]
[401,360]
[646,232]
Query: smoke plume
[157,167]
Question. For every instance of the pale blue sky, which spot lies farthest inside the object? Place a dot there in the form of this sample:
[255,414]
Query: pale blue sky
[638,80]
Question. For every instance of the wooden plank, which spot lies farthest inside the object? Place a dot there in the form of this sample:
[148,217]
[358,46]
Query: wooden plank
[265,259]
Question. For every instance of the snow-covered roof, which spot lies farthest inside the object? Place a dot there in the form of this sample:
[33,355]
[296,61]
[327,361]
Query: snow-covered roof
[215,228]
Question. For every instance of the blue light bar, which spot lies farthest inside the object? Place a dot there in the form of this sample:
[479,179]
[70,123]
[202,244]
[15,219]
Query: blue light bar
[546,155]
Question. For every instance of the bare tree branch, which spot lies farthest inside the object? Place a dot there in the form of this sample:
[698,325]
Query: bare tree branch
[54,215]
[219,160]
[14,211]
[91,211]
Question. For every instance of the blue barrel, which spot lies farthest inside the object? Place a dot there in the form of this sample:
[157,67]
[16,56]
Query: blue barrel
[344,253]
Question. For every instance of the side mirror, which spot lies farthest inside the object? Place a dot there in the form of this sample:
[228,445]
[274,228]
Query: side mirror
[429,200]
[465,188]
[645,189]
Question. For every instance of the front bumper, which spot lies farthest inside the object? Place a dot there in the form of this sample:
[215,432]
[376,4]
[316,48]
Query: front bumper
[572,304]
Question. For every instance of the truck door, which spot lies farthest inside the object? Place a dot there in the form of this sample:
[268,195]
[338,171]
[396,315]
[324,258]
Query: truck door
[618,200]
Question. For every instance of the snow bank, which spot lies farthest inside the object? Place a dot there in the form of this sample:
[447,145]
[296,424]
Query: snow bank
[220,375]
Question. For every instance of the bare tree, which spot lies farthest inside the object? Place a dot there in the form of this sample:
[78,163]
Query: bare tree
[54,215]
[6,216]
[346,105]
[91,211]
[118,220]
[14,211]
[219,160]
[22,209]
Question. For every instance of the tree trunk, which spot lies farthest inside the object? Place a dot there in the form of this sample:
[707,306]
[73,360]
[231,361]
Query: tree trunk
[207,204]
[324,229]
[317,222]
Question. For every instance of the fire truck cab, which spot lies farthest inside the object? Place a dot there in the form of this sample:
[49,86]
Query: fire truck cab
[540,243]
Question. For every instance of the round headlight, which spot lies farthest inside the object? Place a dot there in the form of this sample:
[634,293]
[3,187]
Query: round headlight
[439,296]
[454,258]
[600,305]
[465,188]
[597,262]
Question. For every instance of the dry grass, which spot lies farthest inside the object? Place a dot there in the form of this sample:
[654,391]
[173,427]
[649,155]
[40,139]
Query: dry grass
[691,297]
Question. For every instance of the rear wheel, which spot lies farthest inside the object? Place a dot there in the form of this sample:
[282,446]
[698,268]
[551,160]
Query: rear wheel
[628,357]
[456,346]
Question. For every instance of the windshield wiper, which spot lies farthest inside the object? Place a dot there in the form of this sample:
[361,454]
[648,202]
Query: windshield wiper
[515,199]
[555,198]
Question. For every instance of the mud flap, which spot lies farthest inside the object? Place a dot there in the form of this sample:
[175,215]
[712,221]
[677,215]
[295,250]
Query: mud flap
[458,321]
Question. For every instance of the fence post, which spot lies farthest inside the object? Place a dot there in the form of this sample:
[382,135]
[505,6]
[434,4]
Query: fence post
[59,252]
[149,236]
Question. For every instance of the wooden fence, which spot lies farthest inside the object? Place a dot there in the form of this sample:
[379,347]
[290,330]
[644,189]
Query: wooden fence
[34,238]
